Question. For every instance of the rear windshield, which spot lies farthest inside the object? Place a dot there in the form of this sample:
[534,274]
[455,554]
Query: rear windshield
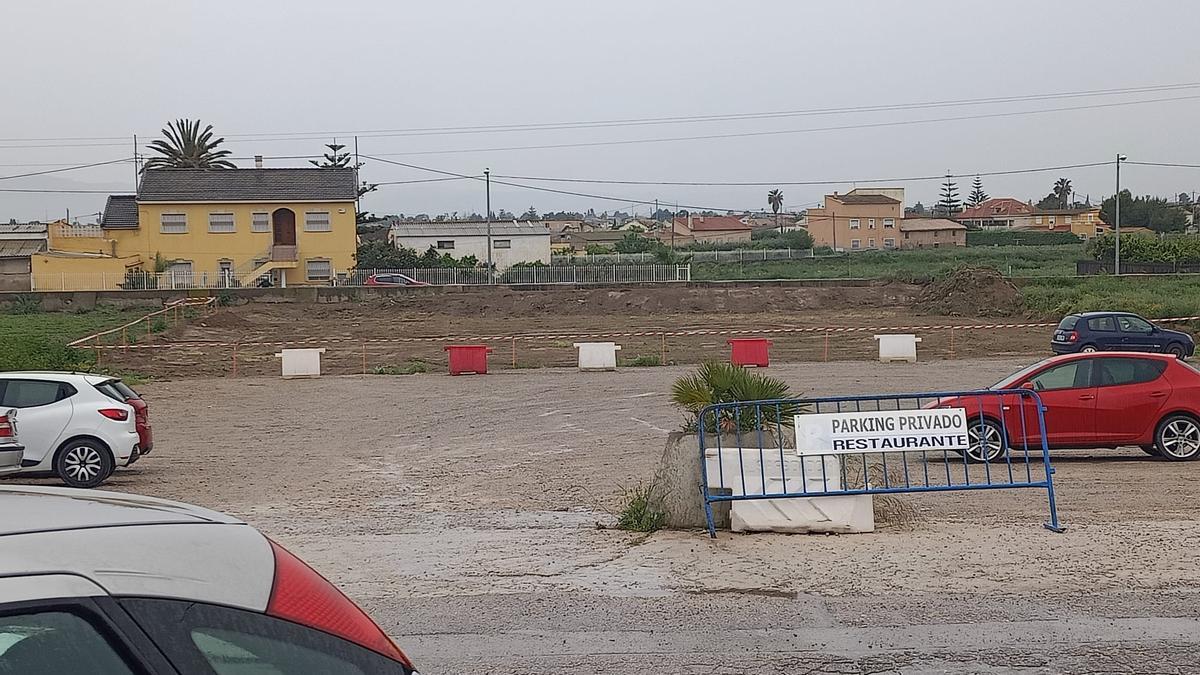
[1068,322]
[116,390]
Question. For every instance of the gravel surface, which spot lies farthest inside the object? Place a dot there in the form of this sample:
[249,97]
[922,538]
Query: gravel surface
[471,516]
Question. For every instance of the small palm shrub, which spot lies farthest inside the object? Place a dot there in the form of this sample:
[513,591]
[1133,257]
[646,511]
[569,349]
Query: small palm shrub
[717,382]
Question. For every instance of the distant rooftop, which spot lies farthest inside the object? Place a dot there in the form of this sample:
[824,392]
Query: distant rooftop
[469,228]
[245,185]
[22,230]
[862,199]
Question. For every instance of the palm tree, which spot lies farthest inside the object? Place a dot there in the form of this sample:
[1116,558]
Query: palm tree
[1062,192]
[187,147]
[775,199]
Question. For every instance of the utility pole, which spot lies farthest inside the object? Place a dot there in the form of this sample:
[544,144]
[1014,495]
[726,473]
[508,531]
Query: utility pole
[833,216]
[357,195]
[137,169]
[674,217]
[487,179]
[1117,205]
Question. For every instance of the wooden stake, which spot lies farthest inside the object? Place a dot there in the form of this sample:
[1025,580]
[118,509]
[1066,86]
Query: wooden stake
[514,353]
[826,345]
[234,360]
[951,342]
[364,355]
[662,360]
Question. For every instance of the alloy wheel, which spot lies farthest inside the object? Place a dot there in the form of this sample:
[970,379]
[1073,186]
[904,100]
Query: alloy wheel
[986,444]
[82,463]
[1180,438]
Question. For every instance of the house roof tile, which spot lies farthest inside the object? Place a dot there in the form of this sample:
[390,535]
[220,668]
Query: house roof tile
[240,185]
[998,207]
[120,212]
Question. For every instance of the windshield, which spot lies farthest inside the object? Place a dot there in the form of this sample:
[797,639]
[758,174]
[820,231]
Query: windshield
[1013,381]
[1068,322]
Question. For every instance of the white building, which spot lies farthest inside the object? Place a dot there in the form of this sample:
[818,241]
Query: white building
[512,241]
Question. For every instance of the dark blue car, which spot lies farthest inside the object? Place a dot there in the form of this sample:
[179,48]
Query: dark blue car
[1118,331]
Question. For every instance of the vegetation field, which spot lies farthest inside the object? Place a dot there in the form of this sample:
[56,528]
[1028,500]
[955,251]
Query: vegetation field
[1154,297]
[1018,261]
[35,340]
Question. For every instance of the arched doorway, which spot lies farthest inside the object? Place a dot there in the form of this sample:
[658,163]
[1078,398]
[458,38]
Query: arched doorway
[283,225]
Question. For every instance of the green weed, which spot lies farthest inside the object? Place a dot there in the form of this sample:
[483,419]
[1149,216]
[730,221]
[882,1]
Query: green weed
[642,509]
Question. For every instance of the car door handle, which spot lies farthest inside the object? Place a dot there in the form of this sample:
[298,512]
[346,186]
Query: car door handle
[1158,394]
[1087,397]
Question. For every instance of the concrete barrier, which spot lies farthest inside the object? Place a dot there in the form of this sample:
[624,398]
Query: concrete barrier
[594,356]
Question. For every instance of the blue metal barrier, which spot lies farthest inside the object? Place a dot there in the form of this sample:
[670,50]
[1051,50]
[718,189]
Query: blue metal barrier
[886,444]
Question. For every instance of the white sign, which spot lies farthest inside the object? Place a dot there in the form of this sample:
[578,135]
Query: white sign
[883,431]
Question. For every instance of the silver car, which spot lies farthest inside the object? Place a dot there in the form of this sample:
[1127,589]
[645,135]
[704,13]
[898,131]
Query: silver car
[106,583]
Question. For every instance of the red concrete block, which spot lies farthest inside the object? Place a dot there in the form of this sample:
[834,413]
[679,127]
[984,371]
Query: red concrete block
[468,359]
[749,352]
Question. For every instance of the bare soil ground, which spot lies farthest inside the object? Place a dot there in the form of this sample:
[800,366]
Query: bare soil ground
[548,323]
[472,516]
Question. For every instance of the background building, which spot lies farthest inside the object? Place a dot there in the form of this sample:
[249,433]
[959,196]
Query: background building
[512,241]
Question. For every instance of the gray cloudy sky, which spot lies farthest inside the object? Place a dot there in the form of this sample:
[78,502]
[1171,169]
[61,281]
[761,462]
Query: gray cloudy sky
[102,70]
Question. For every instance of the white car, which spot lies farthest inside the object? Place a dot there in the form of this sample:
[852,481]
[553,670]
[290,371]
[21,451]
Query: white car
[70,427]
[100,582]
[11,451]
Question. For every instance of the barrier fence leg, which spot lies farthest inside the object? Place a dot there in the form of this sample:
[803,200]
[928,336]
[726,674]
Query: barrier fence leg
[662,360]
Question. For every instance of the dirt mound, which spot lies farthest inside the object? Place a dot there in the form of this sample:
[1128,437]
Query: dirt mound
[971,291]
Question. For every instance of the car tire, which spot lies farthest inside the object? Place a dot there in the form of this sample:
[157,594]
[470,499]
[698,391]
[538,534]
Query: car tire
[1150,450]
[1177,438]
[84,463]
[1175,349]
[1088,349]
[981,433]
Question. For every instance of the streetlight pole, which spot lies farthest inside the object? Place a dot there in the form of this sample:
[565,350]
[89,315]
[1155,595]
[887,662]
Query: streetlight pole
[1117,206]
[487,179]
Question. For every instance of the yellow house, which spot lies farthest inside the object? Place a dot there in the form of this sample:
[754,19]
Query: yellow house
[211,228]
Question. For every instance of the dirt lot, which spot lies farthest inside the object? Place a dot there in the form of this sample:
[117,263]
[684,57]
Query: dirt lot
[470,515]
[549,322]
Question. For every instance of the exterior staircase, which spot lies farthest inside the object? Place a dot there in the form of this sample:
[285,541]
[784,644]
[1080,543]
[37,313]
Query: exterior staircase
[279,257]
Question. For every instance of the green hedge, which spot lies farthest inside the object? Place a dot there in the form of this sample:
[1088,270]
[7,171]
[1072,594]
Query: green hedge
[36,352]
[1137,248]
[1019,238]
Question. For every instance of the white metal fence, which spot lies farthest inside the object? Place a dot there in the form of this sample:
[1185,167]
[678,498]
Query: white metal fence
[557,274]
[737,255]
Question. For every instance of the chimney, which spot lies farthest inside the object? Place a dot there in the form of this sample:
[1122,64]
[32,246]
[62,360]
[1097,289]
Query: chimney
[689,220]
[258,161]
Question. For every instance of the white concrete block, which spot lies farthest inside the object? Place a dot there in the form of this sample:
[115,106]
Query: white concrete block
[597,355]
[301,362]
[843,514]
[898,347]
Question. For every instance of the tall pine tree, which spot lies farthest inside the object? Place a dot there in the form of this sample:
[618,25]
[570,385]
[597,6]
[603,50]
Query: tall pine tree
[977,196]
[949,205]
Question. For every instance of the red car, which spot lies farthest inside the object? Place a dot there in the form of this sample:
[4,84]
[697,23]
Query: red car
[119,391]
[393,280]
[1092,400]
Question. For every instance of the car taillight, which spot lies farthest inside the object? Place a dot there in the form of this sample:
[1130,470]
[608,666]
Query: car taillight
[7,429]
[303,596]
[1072,336]
[115,414]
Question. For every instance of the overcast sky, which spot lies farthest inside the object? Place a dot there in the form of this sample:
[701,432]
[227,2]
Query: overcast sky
[103,70]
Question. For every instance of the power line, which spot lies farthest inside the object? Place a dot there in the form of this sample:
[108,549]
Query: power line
[68,168]
[425,180]
[784,132]
[644,121]
[74,192]
[1171,164]
[907,179]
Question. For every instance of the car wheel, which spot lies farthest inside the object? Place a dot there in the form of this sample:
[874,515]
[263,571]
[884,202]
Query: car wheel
[1175,349]
[84,463]
[1087,349]
[1178,438]
[986,442]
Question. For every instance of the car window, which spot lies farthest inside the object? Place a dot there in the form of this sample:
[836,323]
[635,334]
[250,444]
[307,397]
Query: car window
[33,393]
[110,391]
[125,389]
[57,643]
[203,638]
[1117,371]
[1075,374]
[1133,324]
[1068,322]
[1102,323]
[233,653]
